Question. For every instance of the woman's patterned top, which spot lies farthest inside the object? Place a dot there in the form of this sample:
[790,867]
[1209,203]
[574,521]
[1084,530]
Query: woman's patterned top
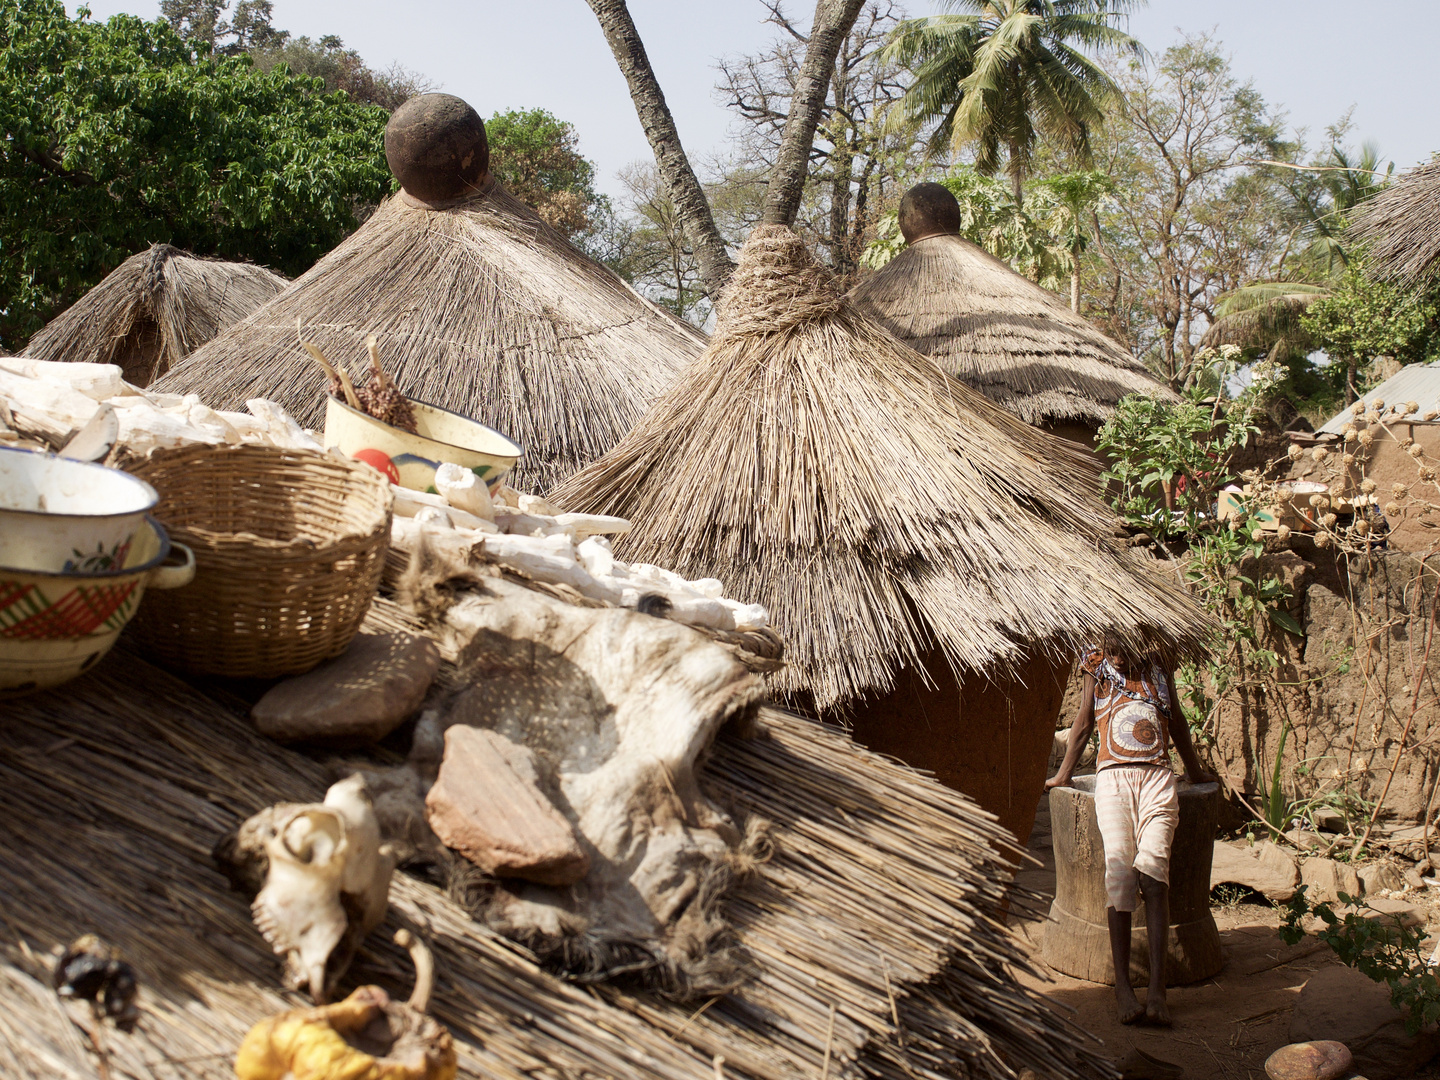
[1132,712]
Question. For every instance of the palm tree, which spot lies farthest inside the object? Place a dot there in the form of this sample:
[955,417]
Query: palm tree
[1000,74]
[1266,316]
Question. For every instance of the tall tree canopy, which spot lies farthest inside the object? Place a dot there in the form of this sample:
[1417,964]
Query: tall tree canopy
[537,157]
[122,134]
[998,75]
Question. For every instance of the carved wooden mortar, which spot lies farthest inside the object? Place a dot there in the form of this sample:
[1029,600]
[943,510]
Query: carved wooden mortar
[1077,940]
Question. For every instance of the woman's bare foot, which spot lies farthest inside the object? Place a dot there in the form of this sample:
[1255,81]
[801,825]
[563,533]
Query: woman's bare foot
[1157,1012]
[1130,1009]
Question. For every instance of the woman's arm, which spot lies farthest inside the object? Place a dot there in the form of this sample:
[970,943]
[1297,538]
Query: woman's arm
[1180,737]
[1079,735]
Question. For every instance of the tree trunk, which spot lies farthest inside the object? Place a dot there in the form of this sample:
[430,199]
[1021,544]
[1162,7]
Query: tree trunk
[833,20]
[1075,279]
[1017,176]
[679,179]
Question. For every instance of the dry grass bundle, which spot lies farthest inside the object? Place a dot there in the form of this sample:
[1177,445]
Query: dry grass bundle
[1018,344]
[1401,227]
[870,926]
[874,504]
[153,310]
[480,308]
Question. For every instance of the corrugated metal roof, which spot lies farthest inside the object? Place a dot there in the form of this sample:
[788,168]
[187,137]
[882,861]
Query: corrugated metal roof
[1419,383]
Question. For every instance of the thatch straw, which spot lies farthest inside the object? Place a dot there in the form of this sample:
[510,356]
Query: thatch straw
[875,505]
[153,310]
[1001,334]
[878,904]
[480,308]
[1401,228]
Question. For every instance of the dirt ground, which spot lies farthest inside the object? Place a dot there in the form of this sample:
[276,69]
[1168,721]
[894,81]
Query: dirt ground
[1225,1026]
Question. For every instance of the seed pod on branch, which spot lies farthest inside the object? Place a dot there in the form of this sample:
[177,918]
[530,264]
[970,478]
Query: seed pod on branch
[1368,486]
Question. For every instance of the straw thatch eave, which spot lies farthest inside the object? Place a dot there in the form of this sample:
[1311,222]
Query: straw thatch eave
[480,308]
[1016,343]
[875,505]
[1400,227]
[153,310]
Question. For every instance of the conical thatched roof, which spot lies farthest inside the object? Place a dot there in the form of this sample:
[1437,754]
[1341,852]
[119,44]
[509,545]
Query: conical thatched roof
[1401,226]
[479,307]
[877,506]
[999,333]
[153,310]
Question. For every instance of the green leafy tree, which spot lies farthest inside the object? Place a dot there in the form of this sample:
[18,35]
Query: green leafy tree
[1191,218]
[1361,319]
[122,134]
[340,69]
[537,157]
[998,75]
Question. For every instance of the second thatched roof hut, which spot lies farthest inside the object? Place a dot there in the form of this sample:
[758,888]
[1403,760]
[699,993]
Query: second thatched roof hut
[153,310]
[932,562]
[478,305]
[999,333]
[1401,227]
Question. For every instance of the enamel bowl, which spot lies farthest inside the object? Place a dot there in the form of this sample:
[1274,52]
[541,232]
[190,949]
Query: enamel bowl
[55,625]
[411,460]
[63,516]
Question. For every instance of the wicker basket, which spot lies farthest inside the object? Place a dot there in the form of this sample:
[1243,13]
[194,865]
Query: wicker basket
[289,548]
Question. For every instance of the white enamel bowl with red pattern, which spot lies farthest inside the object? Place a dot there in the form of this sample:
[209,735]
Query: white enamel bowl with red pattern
[55,625]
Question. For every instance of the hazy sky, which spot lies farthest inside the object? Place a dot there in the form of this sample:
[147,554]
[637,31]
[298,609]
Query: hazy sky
[1314,57]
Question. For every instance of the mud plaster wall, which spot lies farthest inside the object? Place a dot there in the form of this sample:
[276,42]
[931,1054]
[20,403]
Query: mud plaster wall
[1369,613]
[989,739]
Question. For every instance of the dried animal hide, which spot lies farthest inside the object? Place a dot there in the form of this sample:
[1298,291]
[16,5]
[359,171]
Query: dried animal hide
[616,707]
[320,878]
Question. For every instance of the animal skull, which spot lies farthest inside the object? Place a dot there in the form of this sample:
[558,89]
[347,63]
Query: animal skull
[326,884]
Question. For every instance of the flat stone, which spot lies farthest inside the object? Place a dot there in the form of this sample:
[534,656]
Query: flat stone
[1409,914]
[357,698]
[1326,879]
[1328,820]
[1339,1003]
[1267,869]
[1306,840]
[1380,876]
[488,805]
[1323,1060]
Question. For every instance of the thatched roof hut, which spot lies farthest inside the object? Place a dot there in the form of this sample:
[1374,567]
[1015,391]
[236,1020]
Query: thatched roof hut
[999,333]
[153,310]
[1400,227]
[874,927]
[908,537]
[479,307]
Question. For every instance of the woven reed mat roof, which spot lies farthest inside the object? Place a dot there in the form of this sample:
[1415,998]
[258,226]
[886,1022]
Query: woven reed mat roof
[875,505]
[1001,334]
[482,309]
[1400,227]
[873,908]
[153,310]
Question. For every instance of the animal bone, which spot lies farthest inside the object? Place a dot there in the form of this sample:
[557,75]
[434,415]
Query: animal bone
[326,880]
[299,911]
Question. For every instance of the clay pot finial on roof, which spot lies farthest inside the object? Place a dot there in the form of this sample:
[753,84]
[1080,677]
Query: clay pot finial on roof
[435,145]
[928,210]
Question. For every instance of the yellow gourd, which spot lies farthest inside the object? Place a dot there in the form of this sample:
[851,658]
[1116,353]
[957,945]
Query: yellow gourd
[324,1042]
